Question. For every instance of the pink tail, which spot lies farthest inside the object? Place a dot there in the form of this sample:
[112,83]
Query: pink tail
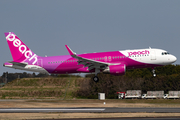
[19,51]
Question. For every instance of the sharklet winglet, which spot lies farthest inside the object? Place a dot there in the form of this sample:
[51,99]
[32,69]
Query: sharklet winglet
[70,51]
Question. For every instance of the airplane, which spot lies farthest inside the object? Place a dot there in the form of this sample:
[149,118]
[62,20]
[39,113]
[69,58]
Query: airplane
[113,62]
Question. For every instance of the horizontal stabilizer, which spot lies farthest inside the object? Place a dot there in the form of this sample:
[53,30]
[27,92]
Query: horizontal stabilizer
[18,64]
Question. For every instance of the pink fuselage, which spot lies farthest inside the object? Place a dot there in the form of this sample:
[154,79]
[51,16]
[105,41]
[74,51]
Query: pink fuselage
[67,64]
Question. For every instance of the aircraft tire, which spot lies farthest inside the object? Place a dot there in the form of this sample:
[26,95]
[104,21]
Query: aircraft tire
[96,79]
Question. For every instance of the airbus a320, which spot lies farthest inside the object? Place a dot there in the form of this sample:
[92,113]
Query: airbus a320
[113,62]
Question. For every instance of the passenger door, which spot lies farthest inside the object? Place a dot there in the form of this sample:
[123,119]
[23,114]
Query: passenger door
[153,55]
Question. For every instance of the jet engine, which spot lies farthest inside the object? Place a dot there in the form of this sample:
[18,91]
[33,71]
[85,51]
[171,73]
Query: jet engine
[116,69]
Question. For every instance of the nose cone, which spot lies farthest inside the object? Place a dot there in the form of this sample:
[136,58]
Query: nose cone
[173,58]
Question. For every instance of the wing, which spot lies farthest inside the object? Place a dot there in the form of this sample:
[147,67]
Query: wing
[91,64]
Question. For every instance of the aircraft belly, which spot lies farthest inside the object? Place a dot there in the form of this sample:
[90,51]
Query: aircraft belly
[64,69]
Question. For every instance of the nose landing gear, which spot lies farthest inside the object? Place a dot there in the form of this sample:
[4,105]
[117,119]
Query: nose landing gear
[153,71]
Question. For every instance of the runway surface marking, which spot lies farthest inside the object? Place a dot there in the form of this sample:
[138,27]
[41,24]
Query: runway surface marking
[9,109]
[86,110]
[36,110]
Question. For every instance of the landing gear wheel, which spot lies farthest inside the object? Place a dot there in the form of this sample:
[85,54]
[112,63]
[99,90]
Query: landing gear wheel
[154,74]
[96,79]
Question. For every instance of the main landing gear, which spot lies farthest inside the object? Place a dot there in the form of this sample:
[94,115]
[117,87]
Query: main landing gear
[153,71]
[95,78]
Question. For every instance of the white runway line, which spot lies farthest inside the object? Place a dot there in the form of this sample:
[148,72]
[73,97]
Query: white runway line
[31,109]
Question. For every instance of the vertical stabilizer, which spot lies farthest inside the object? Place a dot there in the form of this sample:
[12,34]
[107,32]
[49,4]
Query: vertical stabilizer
[19,51]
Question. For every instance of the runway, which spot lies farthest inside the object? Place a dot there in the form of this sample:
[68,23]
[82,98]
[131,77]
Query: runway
[171,118]
[90,110]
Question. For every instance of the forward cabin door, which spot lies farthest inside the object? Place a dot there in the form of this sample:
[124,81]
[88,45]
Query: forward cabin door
[153,55]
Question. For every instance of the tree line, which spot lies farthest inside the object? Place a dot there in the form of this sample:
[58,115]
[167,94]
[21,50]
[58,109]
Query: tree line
[168,78]
[8,77]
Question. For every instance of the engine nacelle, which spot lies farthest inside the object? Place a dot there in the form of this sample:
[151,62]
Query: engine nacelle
[116,69]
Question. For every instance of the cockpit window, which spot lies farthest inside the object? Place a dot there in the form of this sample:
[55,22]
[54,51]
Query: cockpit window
[165,53]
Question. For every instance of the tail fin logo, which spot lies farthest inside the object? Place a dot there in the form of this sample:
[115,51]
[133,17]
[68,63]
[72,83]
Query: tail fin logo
[23,49]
